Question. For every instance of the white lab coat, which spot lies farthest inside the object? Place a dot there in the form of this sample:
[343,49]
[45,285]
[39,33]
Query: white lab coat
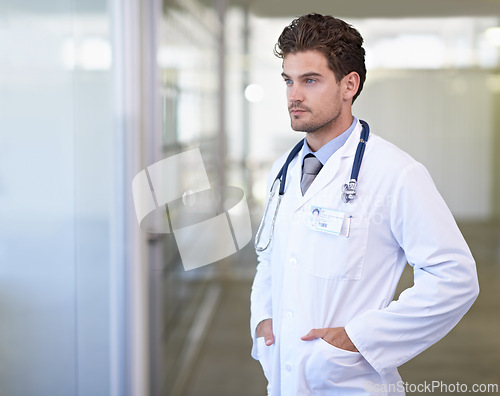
[308,279]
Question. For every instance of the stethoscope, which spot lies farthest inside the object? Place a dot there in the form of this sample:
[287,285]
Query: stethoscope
[348,189]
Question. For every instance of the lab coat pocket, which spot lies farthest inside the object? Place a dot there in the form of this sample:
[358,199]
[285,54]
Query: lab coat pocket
[339,256]
[330,368]
[263,353]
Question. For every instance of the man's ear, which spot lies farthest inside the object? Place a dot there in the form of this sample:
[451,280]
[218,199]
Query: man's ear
[350,85]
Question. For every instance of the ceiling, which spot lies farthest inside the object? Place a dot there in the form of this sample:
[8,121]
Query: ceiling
[290,8]
[372,8]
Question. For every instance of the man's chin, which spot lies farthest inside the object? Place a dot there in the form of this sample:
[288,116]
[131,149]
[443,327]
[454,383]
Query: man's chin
[300,128]
[297,127]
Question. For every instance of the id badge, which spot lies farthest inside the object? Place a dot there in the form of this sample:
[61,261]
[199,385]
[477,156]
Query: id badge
[325,220]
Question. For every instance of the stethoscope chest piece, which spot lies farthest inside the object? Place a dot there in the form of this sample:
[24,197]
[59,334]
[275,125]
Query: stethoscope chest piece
[349,191]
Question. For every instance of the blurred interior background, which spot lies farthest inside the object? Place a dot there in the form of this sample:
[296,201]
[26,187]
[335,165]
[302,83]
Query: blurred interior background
[92,92]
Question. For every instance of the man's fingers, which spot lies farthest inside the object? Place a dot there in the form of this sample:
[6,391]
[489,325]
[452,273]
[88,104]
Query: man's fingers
[268,335]
[313,334]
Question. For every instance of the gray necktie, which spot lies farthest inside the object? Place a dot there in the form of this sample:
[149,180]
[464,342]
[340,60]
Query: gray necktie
[310,169]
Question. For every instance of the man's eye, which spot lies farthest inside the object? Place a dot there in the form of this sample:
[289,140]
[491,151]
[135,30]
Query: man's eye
[288,82]
[310,81]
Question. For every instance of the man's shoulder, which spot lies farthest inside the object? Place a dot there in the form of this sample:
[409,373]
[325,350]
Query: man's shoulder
[385,152]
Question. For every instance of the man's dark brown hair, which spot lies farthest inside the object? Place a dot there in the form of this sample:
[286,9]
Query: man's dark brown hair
[341,44]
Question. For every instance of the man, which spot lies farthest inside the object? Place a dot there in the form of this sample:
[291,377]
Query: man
[322,317]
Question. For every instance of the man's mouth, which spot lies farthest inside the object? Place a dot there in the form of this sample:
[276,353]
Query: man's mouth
[296,111]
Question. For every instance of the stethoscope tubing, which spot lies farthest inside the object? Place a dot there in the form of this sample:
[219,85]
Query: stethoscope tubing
[284,169]
[360,150]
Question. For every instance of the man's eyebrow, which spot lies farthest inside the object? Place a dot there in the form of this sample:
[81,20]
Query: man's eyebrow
[305,75]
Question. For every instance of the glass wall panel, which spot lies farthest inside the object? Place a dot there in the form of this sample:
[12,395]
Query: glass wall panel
[188,73]
[55,197]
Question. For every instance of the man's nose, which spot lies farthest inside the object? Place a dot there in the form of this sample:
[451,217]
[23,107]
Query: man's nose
[295,94]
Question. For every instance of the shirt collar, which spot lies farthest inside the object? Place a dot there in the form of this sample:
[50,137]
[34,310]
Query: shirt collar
[325,152]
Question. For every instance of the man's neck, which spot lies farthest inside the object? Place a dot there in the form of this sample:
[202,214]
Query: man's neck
[319,138]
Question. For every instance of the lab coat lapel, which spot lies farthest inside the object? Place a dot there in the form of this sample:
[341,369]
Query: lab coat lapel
[331,168]
[295,176]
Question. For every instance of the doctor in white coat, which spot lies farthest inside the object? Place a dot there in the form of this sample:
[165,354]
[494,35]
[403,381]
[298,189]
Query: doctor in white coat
[323,319]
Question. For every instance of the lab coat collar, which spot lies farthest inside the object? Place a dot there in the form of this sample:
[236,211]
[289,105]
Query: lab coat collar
[329,170]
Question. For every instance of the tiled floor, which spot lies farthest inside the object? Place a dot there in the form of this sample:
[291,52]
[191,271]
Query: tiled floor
[469,355]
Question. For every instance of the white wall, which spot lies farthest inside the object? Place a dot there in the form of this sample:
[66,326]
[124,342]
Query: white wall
[444,119]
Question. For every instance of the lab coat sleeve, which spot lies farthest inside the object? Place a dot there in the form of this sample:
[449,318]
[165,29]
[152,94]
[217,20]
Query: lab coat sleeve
[445,278]
[261,297]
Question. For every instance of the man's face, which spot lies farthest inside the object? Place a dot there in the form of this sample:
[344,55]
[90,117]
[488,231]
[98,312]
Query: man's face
[314,96]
